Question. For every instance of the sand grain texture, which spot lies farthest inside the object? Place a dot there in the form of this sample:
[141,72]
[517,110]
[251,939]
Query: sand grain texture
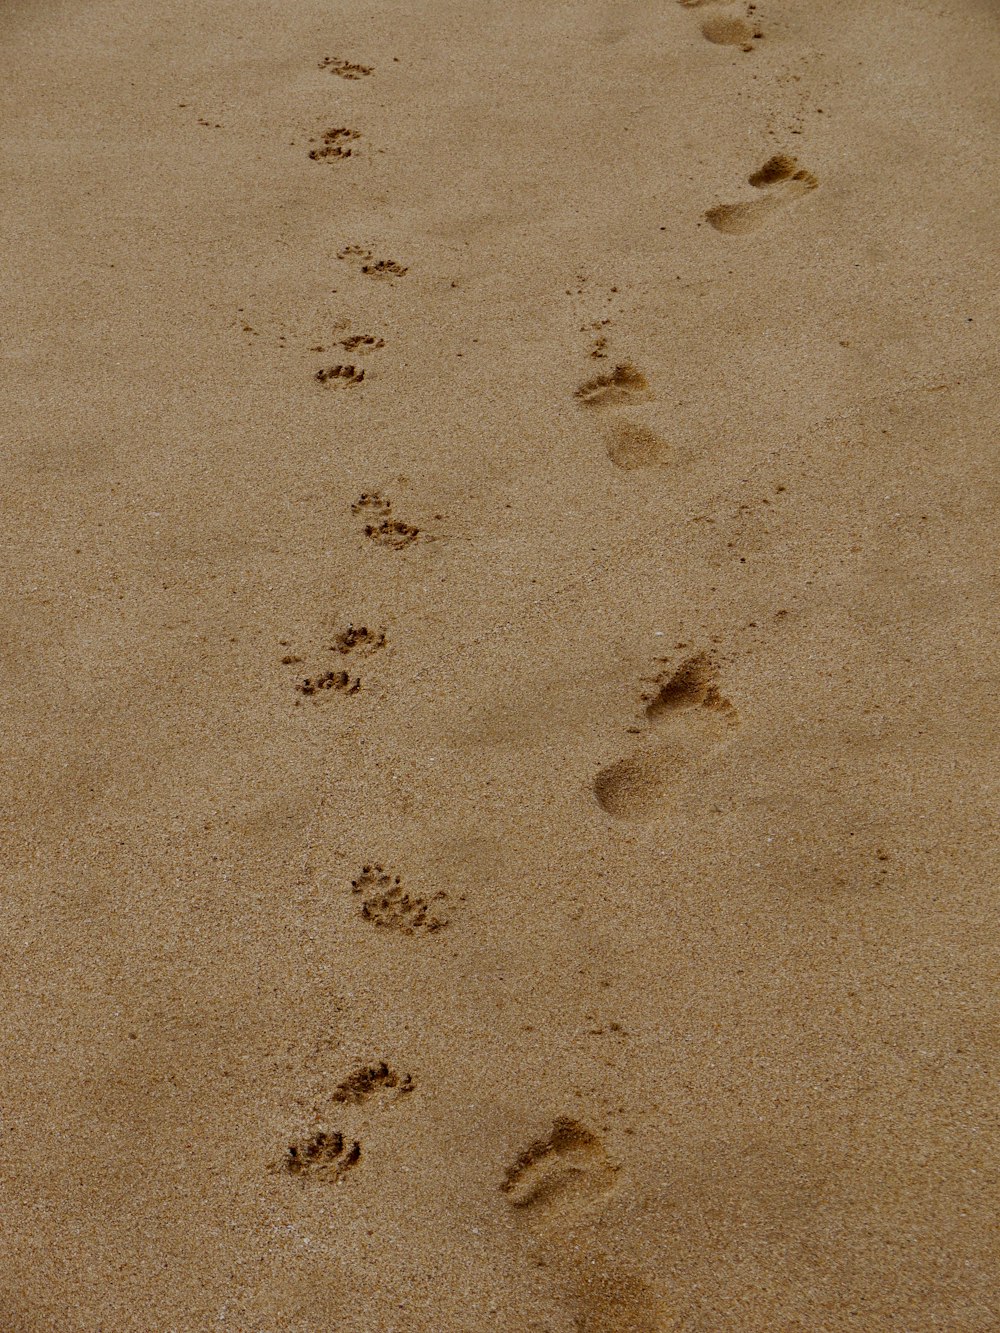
[497,667]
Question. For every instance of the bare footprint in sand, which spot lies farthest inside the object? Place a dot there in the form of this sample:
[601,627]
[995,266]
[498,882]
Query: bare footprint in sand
[555,1185]
[728,29]
[566,1168]
[782,178]
[688,716]
[629,444]
[723,30]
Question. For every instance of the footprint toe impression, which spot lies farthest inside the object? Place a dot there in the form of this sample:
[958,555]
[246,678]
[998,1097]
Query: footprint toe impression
[782,178]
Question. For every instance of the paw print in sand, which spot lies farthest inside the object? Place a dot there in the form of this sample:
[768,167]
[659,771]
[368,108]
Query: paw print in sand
[334,144]
[382,528]
[385,902]
[324,1154]
[346,376]
[369,1080]
[345,69]
[329,680]
[369,265]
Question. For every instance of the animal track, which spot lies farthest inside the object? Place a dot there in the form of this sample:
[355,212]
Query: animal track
[387,904]
[334,144]
[359,638]
[785,182]
[621,385]
[367,1081]
[372,267]
[641,785]
[567,1165]
[345,69]
[325,1154]
[362,342]
[383,529]
[344,375]
[329,680]
[353,639]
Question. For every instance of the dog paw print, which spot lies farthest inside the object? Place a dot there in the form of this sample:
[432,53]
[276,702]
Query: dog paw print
[369,265]
[381,526]
[387,903]
[354,640]
[334,144]
[345,69]
[362,342]
[370,1080]
[323,1155]
[345,376]
[359,639]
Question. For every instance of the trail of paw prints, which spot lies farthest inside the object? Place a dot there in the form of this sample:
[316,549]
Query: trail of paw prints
[327,1151]
[561,1171]
[732,29]
[386,903]
[335,145]
[370,265]
[354,640]
[781,179]
[346,69]
[687,717]
[382,527]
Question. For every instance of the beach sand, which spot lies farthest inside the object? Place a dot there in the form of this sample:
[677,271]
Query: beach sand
[496,750]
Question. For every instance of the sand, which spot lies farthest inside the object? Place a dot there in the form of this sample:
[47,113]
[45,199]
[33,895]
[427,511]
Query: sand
[497,589]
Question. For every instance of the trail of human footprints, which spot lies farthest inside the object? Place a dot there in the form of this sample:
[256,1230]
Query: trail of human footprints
[685,716]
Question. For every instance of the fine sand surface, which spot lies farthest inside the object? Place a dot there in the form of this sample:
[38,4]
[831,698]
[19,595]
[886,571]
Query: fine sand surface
[498,681]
